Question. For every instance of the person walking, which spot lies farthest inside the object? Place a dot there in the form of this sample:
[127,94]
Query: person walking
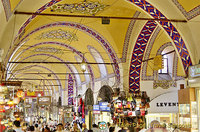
[17,127]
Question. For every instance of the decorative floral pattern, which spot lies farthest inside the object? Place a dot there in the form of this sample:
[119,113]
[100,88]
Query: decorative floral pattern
[48,50]
[136,61]
[70,89]
[88,7]
[165,84]
[137,56]
[171,31]
[58,34]
[52,2]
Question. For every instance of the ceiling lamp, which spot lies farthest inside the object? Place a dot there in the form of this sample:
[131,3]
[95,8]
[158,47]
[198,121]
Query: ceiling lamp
[39,95]
[83,65]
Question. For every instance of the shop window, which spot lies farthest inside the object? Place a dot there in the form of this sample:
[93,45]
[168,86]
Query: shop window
[168,61]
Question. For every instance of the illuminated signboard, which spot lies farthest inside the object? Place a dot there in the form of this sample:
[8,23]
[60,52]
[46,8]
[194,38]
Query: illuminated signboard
[96,108]
[45,100]
[104,106]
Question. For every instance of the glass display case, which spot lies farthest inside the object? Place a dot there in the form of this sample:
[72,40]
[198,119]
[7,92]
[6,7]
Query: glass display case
[184,109]
[187,110]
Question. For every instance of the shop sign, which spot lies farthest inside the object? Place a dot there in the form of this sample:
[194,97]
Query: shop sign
[45,100]
[96,112]
[104,106]
[96,108]
[12,83]
[165,103]
[102,125]
[34,94]
[194,71]
[28,106]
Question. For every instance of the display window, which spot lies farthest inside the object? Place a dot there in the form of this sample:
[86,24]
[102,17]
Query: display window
[169,119]
[188,119]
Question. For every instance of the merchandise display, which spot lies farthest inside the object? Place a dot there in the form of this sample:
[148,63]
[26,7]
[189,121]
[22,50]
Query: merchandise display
[130,109]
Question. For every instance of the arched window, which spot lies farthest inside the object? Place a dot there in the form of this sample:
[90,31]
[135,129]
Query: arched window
[165,65]
[167,61]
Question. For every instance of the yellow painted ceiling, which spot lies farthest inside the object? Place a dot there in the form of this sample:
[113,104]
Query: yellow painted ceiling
[188,5]
[114,33]
[13,4]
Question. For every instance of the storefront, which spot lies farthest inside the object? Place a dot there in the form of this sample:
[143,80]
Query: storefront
[194,82]
[164,109]
[67,114]
[101,112]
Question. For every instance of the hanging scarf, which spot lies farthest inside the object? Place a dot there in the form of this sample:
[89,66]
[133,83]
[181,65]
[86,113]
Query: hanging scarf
[83,108]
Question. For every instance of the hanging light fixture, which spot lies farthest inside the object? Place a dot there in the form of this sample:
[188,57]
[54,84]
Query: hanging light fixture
[83,64]
[39,95]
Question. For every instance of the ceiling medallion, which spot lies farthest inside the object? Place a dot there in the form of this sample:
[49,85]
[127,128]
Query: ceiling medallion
[48,50]
[58,34]
[88,7]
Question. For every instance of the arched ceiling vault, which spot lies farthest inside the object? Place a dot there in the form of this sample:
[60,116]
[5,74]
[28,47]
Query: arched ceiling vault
[50,38]
[29,77]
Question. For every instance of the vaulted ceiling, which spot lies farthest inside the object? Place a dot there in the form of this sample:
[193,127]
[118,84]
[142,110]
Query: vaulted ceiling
[27,38]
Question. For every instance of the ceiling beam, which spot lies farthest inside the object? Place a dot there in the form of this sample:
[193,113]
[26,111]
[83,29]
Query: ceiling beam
[92,16]
[38,79]
[54,62]
[55,73]
[162,55]
[43,85]
[42,89]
